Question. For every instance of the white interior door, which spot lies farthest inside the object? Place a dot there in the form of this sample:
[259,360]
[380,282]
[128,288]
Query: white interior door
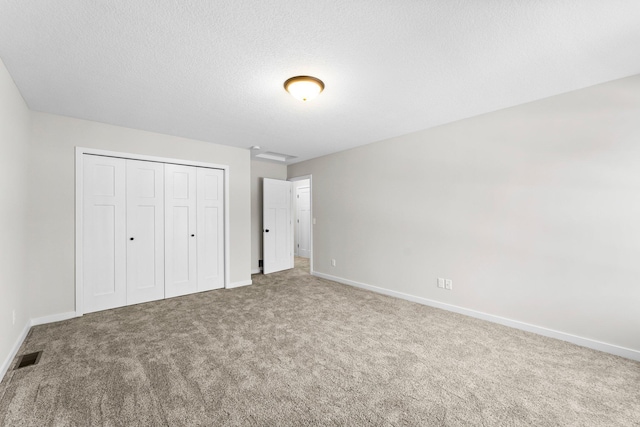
[276,223]
[104,233]
[145,231]
[180,230]
[303,222]
[210,228]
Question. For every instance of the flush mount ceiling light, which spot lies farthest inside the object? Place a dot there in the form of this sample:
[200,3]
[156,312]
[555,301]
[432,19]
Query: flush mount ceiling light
[304,88]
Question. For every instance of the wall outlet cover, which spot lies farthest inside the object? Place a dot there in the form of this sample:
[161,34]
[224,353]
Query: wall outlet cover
[448,284]
[440,282]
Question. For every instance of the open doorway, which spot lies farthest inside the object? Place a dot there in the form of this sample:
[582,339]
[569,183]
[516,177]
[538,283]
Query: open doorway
[302,211]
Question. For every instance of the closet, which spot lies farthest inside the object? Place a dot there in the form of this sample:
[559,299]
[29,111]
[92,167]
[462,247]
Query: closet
[150,230]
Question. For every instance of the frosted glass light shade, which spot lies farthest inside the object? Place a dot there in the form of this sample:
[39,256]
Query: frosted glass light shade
[304,88]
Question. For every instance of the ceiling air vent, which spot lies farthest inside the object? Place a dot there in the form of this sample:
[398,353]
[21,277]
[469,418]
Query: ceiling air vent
[275,156]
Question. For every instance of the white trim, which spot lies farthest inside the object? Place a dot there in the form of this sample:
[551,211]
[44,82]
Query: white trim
[80,151]
[239,284]
[256,271]
[227,228]
[79,227]
[14,350]
[133,156]
[53,318]
[32,322]
[310,178]
[574,339]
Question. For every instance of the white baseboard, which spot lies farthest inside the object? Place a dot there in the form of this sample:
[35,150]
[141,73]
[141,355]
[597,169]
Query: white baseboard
[239,284]
[256,271]
[574,339]
[53,318]
[14,350]
[33,322]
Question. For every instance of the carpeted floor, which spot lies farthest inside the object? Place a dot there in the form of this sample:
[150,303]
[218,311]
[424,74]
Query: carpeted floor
[295,350]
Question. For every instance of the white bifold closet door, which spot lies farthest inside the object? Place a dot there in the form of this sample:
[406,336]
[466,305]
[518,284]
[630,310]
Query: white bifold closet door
[145,231]
[194,229]
[151,230]
[104,233]
[210,228]
[180,230]
[123,232]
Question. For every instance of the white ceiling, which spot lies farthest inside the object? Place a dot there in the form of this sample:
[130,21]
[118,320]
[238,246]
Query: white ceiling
[213,69]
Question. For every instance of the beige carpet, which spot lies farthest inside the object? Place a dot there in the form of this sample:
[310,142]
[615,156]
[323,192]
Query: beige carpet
[294,350]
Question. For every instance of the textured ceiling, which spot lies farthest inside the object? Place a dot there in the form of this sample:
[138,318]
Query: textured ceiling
[213,69]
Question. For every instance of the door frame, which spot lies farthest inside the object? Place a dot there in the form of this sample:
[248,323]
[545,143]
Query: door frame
[311,217]
[296,224]
[80,152]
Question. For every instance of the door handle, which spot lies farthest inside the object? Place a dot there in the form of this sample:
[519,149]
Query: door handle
[130,238]
[193,235]
[266,231]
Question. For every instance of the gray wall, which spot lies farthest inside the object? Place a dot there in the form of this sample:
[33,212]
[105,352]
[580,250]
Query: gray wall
[52,204]
[260,170]
[14,143]
[533,211]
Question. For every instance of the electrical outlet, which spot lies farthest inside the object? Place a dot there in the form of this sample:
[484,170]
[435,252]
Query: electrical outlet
[448,284]
[333,263]
[440,282]
[14,317]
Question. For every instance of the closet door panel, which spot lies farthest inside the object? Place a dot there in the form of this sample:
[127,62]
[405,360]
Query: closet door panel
[180,230]
[182,255]
[210,228]
[104,233]
[145,231]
